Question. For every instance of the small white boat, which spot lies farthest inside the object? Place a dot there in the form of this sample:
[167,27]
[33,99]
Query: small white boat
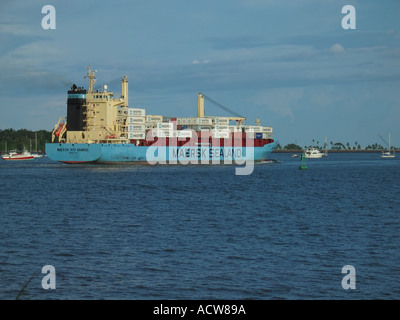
[37,155]
[313,153]
[388,153]
[17,156]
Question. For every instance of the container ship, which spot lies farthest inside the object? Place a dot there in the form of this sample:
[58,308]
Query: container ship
[101,128]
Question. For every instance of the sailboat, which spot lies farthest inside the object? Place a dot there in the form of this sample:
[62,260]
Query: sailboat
[326,148]
[388,154]
[36,154]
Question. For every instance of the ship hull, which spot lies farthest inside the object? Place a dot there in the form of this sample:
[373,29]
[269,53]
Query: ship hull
[17,158]
[130,154]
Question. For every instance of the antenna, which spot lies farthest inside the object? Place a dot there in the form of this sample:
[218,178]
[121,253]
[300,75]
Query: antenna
[92,78]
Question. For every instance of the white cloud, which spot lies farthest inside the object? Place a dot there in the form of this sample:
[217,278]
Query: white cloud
[336,49]
[199,62]
[18,29]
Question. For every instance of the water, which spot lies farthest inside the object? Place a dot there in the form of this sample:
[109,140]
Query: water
[191,232]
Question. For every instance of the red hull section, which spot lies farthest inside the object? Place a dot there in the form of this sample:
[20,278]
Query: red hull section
[16,159]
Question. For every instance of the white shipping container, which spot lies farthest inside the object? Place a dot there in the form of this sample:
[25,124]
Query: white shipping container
[184,134]
[165,125]
[190,121]
[267,130]
[204,121]
[136,127]
[152,118]
[220,127]
[220,121]
[136,120]
[137,135]
[220,134]
[162,133]
[135,112]
[267,135]
[255,129]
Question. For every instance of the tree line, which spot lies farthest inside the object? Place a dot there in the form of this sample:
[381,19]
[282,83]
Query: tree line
[23,139]
[336,146]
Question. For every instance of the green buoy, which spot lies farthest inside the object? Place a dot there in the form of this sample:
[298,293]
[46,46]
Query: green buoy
[303,165]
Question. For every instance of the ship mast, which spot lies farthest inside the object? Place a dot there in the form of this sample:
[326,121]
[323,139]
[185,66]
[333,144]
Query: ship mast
[92,78]
[200,105]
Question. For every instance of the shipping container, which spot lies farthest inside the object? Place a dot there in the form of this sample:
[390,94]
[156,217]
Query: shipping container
[267,135]
[136,112]
[220,134]
[224,121]
[204,121]
[267,129]
[162,133]
[184,134]
[254,129]
[165,125]
[136,120]
[136,127]
[136,135]
[152,118]
[220,127]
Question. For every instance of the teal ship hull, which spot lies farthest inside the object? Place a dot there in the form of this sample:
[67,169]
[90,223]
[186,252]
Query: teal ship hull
[107,153]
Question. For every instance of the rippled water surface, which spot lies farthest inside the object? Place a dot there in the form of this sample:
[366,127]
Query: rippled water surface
[201,232]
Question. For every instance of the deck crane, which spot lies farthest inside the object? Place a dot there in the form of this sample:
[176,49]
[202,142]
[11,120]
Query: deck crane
[236,117]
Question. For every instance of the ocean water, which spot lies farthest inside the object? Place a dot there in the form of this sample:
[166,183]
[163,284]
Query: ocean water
[201,232]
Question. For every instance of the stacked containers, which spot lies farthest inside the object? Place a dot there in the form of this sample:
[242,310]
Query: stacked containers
[136,124]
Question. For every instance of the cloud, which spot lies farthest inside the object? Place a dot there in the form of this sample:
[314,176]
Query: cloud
[18,29]
[199,62]
[336,49]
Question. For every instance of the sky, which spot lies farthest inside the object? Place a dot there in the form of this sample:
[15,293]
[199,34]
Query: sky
[289,63]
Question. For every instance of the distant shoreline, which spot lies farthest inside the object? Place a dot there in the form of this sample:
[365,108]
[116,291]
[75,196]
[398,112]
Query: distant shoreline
[330,151]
